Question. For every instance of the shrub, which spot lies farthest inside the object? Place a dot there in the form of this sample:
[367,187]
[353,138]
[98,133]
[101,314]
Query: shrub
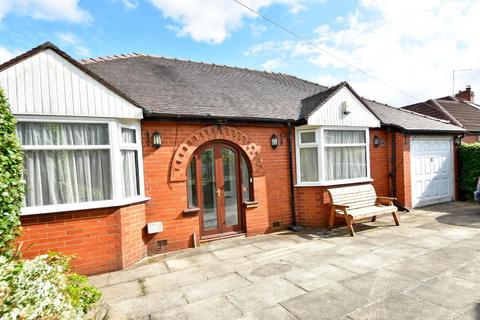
[44,287]
[469,169]
[11,183]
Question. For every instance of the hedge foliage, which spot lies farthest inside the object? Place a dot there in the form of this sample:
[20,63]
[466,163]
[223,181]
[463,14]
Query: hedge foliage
[11,183]
[469,169]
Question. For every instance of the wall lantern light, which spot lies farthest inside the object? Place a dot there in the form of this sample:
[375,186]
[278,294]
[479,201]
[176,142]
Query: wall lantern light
[156,139]
[376,141]
[458,140]
[345,108]
[274,141]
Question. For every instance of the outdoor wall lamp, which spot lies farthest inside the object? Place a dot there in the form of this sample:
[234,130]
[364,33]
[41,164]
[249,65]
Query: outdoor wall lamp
[157,139]
[274,141]
[376,141]
[458,140]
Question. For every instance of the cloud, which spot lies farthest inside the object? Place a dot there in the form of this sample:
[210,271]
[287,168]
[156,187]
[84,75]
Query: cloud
[69,39]
[273,64]
[6,54]
[411,45]
[212,21]
[130,4]
[50,10]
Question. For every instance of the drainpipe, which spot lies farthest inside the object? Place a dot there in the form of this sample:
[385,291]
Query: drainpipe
[394,164]
[294,226]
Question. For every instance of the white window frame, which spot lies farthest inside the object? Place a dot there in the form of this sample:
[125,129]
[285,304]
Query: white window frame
[321,145]
[115,145]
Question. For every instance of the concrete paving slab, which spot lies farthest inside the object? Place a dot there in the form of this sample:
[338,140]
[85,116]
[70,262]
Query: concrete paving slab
[421,268]
[264,294]
[472,314]
[431,242]
[171,280]
[276,312]
[122,291]
[217,308]
[213,287]
[363,263]
[133,274]
[145,305]
[182,263]
[241,251]
[224,267]
[469,271]
[402,307]
[325,303]
[380,284]
[450,292]
[400,251]
[308,280]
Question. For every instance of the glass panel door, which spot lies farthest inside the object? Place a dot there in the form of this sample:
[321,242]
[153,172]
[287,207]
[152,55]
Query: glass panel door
[230,187]
[209,195]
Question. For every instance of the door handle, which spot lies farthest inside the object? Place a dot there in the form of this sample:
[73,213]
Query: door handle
[217,192]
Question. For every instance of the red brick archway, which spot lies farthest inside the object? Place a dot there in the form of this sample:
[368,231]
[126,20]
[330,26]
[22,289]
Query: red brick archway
[216,132]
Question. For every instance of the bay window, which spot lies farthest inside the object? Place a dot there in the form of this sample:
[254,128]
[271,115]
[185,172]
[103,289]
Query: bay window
[332,155]
[72,163]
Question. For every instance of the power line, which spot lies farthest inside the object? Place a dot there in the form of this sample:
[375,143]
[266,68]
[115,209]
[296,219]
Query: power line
[326,51]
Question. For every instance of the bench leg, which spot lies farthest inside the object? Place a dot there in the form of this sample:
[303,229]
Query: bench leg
[394,214]
[349,225]
[331,220]
[374,218]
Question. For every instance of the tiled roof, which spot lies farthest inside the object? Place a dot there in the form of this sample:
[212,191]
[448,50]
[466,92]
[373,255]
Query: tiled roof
[410,121]
[455,110]
[177,87]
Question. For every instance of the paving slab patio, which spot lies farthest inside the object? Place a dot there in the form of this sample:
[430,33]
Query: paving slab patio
[427,268]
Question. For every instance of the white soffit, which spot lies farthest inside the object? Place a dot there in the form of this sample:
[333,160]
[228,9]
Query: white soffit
[47,84]
[331,113]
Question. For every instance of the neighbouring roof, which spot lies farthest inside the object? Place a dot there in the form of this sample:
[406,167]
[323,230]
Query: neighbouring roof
[457,111]
[410,121]
[185,88]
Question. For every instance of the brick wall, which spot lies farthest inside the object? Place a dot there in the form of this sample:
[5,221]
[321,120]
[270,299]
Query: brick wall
[98,238]
[169,198]
[471,138]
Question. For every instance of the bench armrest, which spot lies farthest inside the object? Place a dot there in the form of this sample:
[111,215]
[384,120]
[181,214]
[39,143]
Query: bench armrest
[340,206]
[387,198]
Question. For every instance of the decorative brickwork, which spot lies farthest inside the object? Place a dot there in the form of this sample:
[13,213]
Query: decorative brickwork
[216,132]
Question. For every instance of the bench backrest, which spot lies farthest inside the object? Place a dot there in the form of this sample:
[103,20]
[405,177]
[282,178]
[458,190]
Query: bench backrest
[355,196]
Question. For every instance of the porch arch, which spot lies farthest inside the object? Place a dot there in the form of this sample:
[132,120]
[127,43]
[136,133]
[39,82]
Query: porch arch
[178,169]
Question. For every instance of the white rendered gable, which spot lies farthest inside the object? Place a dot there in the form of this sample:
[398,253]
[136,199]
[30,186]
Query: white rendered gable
[47,84]
[331,113]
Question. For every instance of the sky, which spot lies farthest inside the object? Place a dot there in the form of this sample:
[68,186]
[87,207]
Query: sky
[396,52]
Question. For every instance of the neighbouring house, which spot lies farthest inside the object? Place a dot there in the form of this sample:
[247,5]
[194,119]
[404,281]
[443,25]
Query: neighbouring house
[134,155]
[460,110]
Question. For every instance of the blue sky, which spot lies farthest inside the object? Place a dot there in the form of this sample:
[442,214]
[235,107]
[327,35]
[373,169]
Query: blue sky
[416,55]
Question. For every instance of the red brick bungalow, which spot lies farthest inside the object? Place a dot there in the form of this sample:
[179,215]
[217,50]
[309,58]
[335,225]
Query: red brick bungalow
[134,155]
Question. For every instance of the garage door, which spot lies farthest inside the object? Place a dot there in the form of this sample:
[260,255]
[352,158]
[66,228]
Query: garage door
[432,174]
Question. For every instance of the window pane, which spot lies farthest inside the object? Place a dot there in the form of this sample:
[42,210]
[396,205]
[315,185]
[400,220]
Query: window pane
[345,163]
[192,184]
[344,136]
[34,133]
[245,179]
[309,164]
[57,177]
[130,179]
[307,137]
[128,135]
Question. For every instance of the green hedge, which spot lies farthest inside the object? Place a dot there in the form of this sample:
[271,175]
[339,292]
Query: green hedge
[11,183]
[469,169]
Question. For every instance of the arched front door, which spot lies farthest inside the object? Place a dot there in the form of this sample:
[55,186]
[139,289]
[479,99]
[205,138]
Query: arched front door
[223,183]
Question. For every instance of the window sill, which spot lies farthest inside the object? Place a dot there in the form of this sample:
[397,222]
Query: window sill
[82,206]
[332,183]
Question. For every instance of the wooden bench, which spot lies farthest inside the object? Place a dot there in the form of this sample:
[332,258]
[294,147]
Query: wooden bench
[359,203]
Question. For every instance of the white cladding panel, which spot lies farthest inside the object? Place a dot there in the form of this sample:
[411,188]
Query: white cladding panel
[432,170]
[331,113]
[47,84]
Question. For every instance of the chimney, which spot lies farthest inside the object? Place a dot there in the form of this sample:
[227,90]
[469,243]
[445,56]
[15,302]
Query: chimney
[466,95]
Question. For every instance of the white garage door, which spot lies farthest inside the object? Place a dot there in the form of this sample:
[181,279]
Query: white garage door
[432,170]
